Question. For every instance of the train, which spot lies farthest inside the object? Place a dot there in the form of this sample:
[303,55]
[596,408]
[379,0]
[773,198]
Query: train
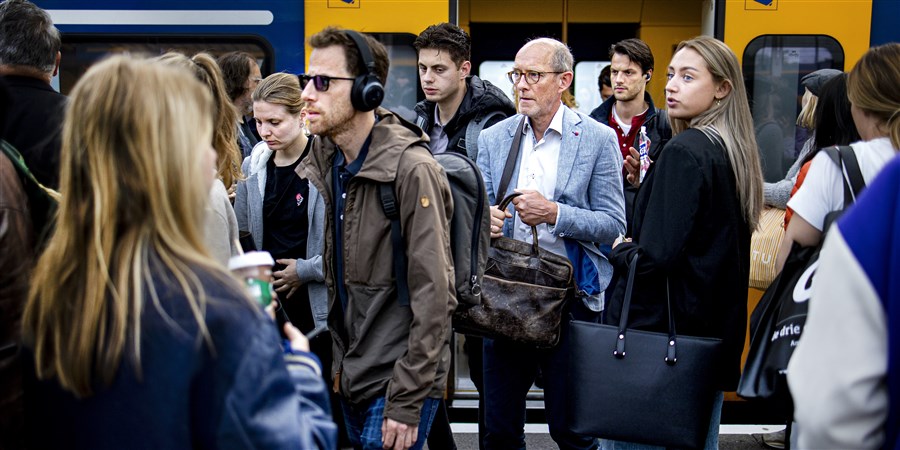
[776,41]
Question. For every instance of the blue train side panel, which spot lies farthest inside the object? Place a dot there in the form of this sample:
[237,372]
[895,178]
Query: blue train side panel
[885,14]
[278,23]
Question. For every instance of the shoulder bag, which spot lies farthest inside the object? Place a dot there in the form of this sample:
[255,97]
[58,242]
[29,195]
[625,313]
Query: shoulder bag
[525,288]
[640,386]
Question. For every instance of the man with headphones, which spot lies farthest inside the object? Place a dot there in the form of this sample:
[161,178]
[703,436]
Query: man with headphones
[631,107]
[391,353]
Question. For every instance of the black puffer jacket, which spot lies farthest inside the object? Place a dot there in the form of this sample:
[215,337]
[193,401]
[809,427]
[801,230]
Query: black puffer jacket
[481,99]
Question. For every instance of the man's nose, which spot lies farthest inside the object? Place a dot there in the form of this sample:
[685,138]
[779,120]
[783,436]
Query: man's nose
[308,92]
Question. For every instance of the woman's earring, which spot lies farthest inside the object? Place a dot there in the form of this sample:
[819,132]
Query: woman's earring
[718,102]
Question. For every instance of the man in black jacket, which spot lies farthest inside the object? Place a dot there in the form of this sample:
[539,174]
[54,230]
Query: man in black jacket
[631,107]
[29,59]
[456,108]
[456,103]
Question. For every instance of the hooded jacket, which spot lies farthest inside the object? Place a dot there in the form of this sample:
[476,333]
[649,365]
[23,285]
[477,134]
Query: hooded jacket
[381,347]
[481,99]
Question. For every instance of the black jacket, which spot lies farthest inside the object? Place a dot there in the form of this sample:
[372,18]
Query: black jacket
[34,126]
[658,130]
[481,98]
[689,227]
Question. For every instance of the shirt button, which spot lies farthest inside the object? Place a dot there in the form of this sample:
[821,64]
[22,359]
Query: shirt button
[342,217]
[344,195]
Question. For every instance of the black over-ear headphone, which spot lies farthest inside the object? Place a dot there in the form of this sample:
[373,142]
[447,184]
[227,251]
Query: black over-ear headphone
[367,92]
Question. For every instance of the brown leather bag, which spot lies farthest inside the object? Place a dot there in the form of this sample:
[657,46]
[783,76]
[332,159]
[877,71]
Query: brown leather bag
[525,287]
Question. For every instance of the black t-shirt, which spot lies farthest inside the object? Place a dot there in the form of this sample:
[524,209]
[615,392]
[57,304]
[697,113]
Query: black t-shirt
[285,229]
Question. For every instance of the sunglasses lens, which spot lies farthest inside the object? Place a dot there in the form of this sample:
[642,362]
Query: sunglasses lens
[321,83]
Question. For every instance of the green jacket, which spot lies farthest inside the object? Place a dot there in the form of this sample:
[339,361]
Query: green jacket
[380,347]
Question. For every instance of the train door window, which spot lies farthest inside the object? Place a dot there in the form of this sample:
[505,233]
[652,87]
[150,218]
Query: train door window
[401,90]
[773,66]
[495,72]
[81,51]
[587,93]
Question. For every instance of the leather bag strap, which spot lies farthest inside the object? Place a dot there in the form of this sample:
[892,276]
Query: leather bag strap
[534,237]
[511,160]
[619,351]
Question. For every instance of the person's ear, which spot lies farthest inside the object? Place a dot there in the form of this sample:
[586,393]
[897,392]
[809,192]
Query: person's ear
[723,90]
[465,69]
[648,74]
[565,80]
[56,63]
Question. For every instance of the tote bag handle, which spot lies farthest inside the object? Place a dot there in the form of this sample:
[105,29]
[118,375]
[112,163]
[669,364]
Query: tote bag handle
[619,352]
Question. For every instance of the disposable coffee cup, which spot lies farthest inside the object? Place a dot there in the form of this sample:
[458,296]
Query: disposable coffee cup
[255,269]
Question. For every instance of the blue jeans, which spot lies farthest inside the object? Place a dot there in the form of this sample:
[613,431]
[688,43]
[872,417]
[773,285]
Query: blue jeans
[712,436]
[509,371]
[364,423]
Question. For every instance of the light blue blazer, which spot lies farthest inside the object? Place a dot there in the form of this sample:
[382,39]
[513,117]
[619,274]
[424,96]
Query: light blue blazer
[588,191]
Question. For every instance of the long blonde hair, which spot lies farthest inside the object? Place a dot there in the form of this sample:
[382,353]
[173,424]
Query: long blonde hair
[872,87]
[132,205]
[807,116]
[224,139]
[729,122]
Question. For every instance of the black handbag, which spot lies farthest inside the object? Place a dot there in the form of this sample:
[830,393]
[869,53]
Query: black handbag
[524,289]
[640,386]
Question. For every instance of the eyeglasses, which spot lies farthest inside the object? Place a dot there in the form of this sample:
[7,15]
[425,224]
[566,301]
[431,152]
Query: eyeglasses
[530,77]
[321,81]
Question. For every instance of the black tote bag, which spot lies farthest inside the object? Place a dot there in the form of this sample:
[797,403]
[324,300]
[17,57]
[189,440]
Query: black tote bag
[640,386]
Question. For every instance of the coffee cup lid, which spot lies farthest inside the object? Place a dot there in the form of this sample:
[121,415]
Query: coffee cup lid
[250,259]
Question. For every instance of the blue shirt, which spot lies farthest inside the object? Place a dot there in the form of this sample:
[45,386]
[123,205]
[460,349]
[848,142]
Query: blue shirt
[341,176]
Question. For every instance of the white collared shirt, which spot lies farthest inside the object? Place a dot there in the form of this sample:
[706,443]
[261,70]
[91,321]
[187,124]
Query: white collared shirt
[538,170]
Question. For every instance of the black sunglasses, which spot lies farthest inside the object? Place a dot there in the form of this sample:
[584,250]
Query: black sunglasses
[321,81]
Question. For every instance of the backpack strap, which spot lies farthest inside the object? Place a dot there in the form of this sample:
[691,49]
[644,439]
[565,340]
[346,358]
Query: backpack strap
[473,129]
[851,175]
[392,211]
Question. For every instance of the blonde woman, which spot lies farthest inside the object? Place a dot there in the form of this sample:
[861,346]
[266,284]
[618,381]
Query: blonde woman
[136,337]
[220,230]
[695,212]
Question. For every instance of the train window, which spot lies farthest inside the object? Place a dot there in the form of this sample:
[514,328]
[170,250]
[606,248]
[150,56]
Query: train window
[587,94]
[402,88]
[773,66]
[495,72]
[81,51]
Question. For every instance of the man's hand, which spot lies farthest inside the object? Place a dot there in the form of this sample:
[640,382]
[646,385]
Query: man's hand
[633,167]
[286,280]
[534,209]
[398,436]
[497,218]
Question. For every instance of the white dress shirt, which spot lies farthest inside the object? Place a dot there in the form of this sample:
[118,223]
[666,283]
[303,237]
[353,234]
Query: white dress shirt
[538,169]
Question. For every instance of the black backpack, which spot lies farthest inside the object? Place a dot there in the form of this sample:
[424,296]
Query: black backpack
[469,228]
